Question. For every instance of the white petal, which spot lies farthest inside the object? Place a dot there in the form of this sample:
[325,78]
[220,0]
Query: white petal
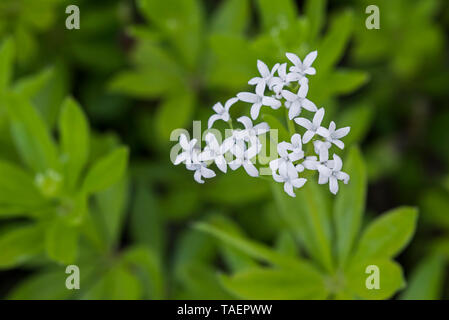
[254,81]
[310,164]
[310,71]
[184,142]
[263,69]
[323,132]
[342,176]
[283,147]
[274,164]
[293,58]
[339,144]
[248,97]
[308,135]
[180,158]
[310,58]
[221,163]
[207,173]
[218,108]
[340,133]
[247,123]
[282,71]
[308,105]
[296,140]
[261,128]
[197,176]
[229,103]
[333,185]
[235,164]
[255,109]
[288,188]
[271,102]
[332,126]
[303,122]
[338,164]
[302,92]
[295,110]
[250,169]
[318,117]
[298,183]
[260,88]
[289,96]
[278,178]
[323,178]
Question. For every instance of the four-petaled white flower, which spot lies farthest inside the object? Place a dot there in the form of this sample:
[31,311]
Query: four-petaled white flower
[215,152]
[290,180]
[302,68]
[285,163]
[201,170]
[243,158]
[258,100]
[311,126]
[189,152]
[277,83]
[334,174]
[266,75]
[333,136]
[250,130]
[295,102]
[222,113]
[321,164]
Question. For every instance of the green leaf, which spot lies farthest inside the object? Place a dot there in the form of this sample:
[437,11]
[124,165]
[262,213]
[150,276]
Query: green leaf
[61,242]
[118,283]
[175,112]
[386,236]
[390,279]
[274,122]
[181,21]
[308,216]
[74,131]
[252,248]
[275,284]
[47,285]
[146,225]
[146,261]
[346,81]
[426,281]
[17,188]
[157,73]
[334,42]
[315,11]
[231,17]
[7,51]
[111,205]
[280,13]
[106,171]
[28,87]
[20,244]
[31,136]
[349,205]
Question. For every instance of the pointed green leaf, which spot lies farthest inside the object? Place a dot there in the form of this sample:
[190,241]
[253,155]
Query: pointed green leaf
[231,17]
[350,205]
[280,13]
[74,131]
[106,171]
[388,235]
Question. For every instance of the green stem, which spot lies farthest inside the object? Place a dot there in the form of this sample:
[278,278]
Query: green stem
[290,125]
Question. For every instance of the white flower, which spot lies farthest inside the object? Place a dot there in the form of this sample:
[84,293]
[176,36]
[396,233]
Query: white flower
[243,158]
[258,100]
[222,113]
[321,164]
[285,162]
[332,135]
[318,144]
[302,68]
[290,181]
[215,152]
[277,83]
[334,174]
[265,73]
[250,130]
[201,170]
[311,126]
[189,154]
[297,101]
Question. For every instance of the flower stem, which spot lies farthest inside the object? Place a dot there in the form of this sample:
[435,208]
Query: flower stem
[290,125]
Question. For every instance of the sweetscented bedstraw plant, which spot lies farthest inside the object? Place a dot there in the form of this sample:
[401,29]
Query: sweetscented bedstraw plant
[275,88]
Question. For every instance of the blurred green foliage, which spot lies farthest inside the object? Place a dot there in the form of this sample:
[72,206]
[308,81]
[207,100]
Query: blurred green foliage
[146,230]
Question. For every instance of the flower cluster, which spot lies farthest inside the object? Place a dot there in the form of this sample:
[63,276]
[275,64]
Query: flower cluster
[273,88]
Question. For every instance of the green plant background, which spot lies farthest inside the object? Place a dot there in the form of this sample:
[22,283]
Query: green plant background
[85,175]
